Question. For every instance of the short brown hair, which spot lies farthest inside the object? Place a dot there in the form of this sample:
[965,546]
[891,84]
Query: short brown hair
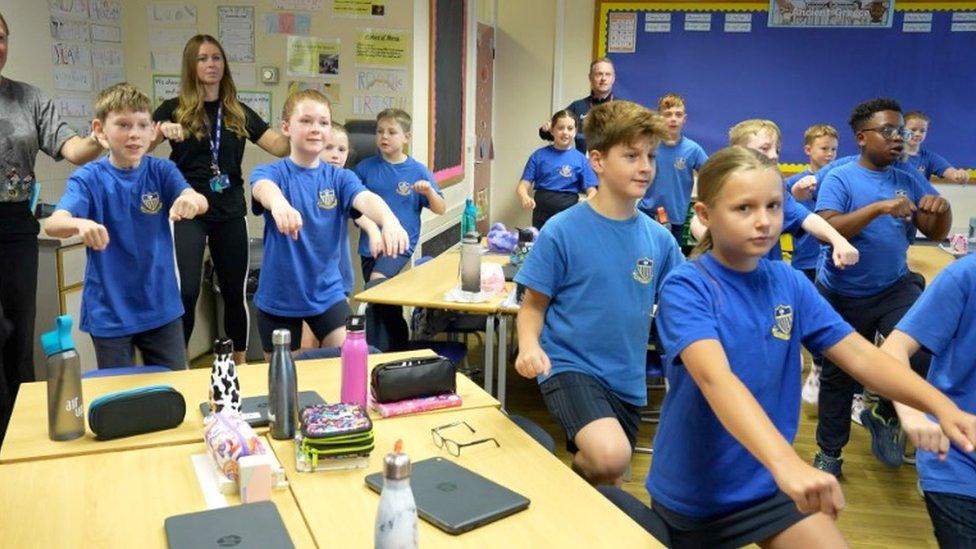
[741,132]
[6,29]
[913,114]
[599,60]
[297,97]
[615,122]
[121,97]
[670,100]
[399,116]
[817,131]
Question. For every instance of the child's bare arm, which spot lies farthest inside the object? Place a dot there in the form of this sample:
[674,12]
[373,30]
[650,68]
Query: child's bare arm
[287,219]
[372,231]
[62,224]
[532,361]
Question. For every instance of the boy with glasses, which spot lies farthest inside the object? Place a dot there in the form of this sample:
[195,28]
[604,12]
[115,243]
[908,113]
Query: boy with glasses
[878,207]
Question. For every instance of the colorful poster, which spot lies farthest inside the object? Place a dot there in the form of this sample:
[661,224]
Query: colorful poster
[329,89]
[287,23]
[165,86]
[260,102]
[831,13]
[621,32]
[235,27]
[383,47]
[359,8]
[311,57]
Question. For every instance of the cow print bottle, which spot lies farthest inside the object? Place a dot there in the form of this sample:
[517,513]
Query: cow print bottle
[225,389]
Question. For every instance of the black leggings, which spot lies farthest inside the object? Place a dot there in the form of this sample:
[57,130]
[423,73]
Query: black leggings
[228,243]
[18,293]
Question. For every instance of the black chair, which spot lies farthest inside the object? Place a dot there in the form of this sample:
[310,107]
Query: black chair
[362,141]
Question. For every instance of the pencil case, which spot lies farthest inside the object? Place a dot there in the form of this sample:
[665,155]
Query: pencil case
[331,421]
[228,438]
[413,378]
[136,411]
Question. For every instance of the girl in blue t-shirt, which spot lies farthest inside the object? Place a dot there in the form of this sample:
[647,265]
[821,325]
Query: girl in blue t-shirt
[731,324]
[306,204]
[559,173]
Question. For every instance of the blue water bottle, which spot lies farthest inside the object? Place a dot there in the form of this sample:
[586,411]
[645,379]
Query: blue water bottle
[65,409]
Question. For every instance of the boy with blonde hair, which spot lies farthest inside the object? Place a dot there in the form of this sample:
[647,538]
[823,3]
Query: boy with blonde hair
[678,159]
[116,205]
[925,161]
[584,323]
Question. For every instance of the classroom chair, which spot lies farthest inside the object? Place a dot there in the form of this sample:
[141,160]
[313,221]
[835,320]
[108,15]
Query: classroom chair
[124,371]
[362,141]
[535,431]
[326,352]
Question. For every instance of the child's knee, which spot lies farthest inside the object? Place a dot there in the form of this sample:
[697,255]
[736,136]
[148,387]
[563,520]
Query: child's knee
[606,459]
[376,275]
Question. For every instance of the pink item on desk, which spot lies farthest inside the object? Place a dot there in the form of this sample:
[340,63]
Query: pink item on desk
[492,278]
[416,405]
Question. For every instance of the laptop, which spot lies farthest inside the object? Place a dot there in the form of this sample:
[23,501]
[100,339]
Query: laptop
[254,409]
[456,499]
[252,525]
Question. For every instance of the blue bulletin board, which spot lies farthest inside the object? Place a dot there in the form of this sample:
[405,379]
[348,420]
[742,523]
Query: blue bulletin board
[729,71]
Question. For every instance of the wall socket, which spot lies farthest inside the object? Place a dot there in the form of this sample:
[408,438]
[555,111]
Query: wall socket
[269,75]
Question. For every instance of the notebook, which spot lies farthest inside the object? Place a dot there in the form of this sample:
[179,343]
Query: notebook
[255,409]
[456,499]
[253,525]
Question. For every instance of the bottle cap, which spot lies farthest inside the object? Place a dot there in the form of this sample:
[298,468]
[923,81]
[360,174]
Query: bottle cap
[356,323]
[223,346]
[281,337]
[396,465]
[59,339]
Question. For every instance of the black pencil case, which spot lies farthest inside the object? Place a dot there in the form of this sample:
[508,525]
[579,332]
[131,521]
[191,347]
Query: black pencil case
[413,378]
[136,411]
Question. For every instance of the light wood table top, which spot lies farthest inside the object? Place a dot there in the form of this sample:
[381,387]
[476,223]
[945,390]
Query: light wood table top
[928,260]
[425,286]
[564,511]
[27,438]
[118,499]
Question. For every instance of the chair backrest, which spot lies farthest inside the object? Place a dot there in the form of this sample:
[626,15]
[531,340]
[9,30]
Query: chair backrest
[124,371]
[326,352]
[362,141]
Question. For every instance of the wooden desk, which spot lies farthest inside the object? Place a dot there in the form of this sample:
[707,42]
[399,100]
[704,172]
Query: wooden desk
[564,511]
[928,260]
[119,499]
[27,439]
[425,286]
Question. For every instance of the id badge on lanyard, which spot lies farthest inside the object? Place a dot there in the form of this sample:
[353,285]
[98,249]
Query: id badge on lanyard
[218,181]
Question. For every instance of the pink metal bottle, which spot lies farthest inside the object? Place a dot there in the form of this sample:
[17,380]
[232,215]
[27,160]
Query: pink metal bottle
[354,353]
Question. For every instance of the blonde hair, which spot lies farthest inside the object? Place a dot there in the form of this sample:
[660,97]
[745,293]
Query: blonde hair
[190,112]
[120,97]
[669,101]
[740,133]
[908,116]
[297,97]
[6,29]
[716,172]
[400,116]
[615,122]
[817,131]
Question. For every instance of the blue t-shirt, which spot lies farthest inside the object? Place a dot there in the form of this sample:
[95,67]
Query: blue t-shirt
[130,286]
[599,314]
[302,277]
[566,171]
[806,248]
[394,184]
[928,163]
[836,163]
[794,214]
[673,179]
[942,322]
[761,318]
[882,243]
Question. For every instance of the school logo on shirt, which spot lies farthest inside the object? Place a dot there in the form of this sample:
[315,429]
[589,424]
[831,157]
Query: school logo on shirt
[327,199]
[403,188]
[921,170]
[680,163]
[566,171]
[901,193]
[783,314]
[644,271]
[151,204]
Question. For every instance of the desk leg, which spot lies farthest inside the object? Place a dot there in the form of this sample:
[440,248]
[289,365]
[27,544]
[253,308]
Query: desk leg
[489,353]
[502,356]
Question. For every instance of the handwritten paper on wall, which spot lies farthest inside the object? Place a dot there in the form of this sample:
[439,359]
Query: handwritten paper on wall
[235,26]
[171,25]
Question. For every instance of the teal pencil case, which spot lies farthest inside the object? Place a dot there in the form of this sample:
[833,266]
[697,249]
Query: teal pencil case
[136,411]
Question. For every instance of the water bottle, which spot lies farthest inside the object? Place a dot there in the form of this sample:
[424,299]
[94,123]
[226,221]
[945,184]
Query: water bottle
[354,353]
[225,388]
[65,409]
[469,218]
[471,262]
[282,388]
[396,518]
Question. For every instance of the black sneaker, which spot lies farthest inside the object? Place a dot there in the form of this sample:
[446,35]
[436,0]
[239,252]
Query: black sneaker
[887,442]
[828,464]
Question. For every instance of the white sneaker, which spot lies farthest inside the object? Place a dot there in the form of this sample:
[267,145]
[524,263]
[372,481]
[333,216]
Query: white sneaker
[811,387]
[857,406]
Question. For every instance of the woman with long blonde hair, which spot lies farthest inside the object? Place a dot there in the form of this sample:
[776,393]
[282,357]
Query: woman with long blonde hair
[207,126]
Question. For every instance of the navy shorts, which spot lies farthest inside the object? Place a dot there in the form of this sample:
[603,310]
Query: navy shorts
[386,265]
[321,324]
[577,399]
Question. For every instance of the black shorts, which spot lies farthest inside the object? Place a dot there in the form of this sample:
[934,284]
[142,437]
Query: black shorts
[577,399]
[386,265]
[759,521]
[321,324]
[549,203]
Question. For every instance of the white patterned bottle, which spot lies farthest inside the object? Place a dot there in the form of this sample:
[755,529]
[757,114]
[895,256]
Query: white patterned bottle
[396,518]
[225,388]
